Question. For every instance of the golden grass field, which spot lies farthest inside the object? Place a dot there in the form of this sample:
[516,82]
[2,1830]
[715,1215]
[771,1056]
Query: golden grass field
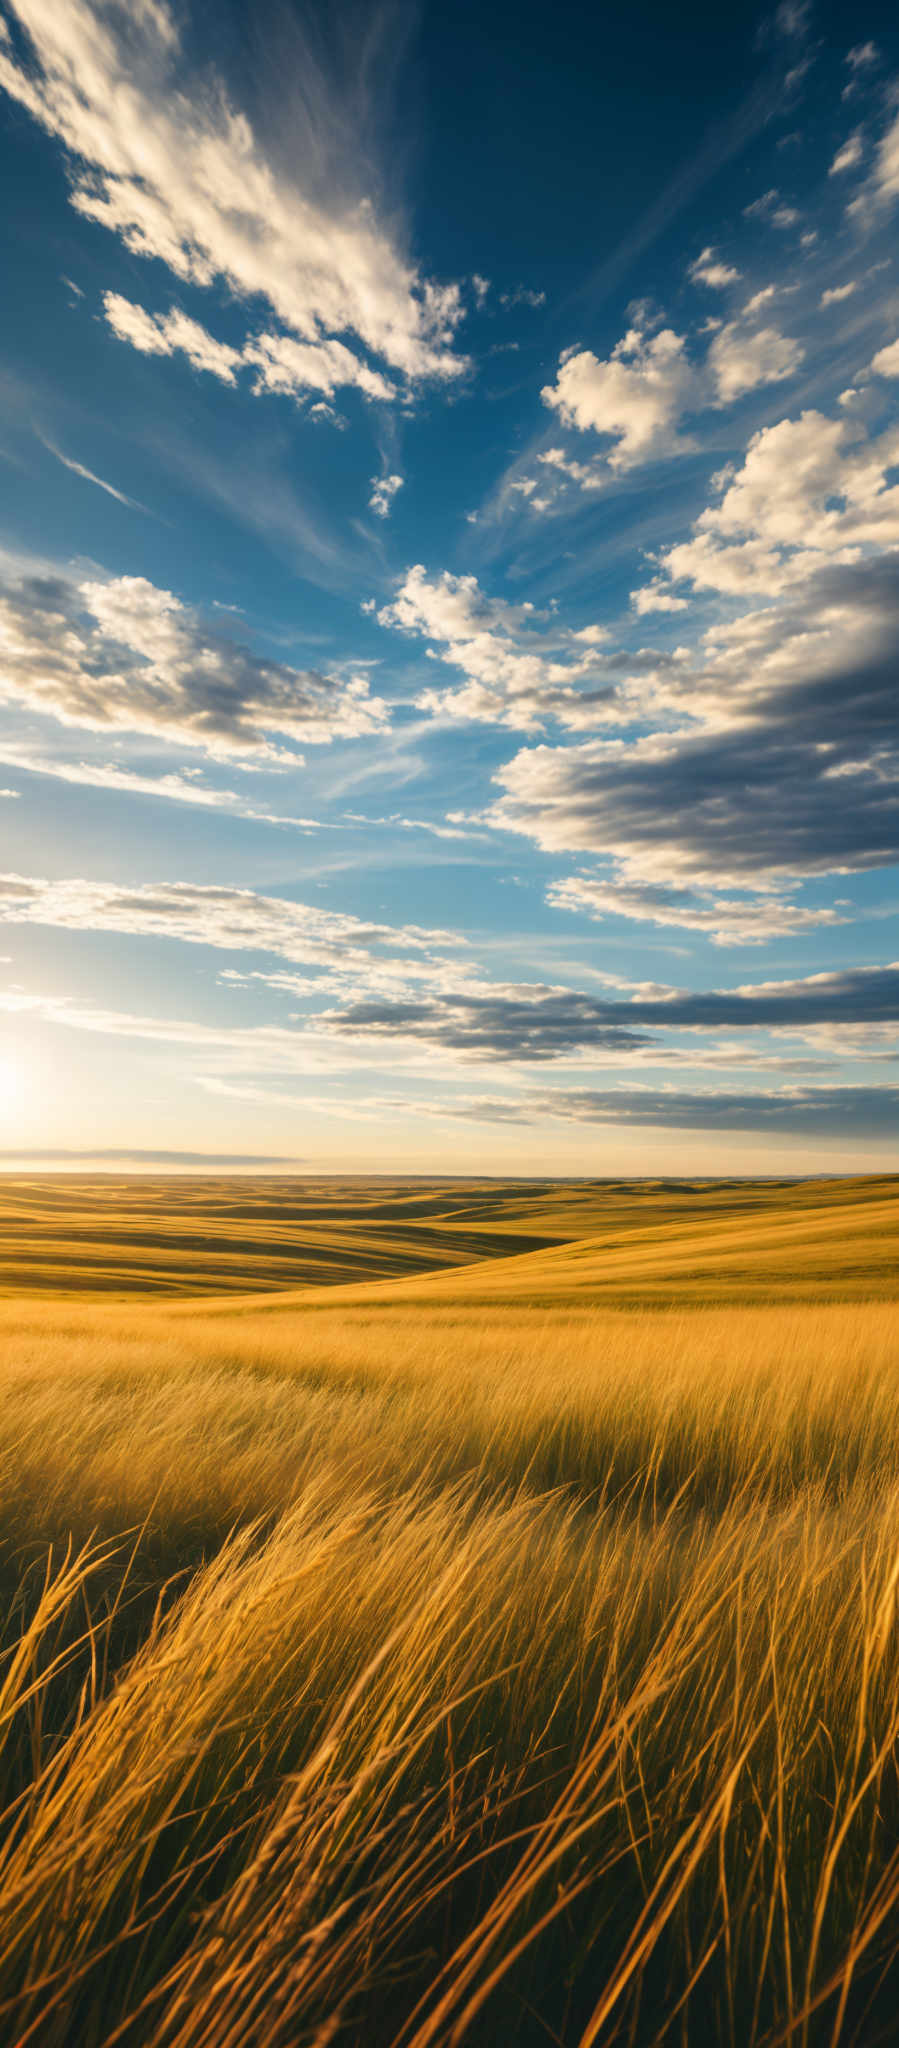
[449,1612]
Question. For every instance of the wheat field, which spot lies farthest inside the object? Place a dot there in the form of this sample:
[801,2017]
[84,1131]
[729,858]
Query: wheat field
[498,1646]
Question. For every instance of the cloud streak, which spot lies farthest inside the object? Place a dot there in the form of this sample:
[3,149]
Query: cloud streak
[534,1022]
[848,1113]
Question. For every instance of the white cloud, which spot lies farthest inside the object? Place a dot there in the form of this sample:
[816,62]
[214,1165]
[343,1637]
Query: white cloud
[280,363]
[283,364]
[89,476]
[125,655]
[171,334]
[727,921]
[708,269]
[520,667]
[165,160]
[636,397]
[778,758]
[837,293]
[881,187]
[886,361]
[809,490]
[384,490]
[174,787]
[740,358]
[231,920]
[846,158]
[639,397]
[655,598]
[759,299]
[590,475]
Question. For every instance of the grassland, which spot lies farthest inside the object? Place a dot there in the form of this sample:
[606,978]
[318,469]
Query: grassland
[501,1647]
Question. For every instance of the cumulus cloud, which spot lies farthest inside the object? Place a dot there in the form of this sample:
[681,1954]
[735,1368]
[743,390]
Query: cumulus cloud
[886,361]
[726,920]
[520,667]
[810,489]
[784,761]
[638,399]
[740,358]
[125,655]
[653,597]
[768,747]
[384,490]
[709,269]
[161,156]
[837,293]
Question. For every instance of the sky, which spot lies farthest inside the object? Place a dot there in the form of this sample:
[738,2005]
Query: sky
[449,587]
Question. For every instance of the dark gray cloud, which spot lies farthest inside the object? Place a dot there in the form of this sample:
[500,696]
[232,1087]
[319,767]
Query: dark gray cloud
[813,1112]
[535,1024]
[539,1023]
[792,767]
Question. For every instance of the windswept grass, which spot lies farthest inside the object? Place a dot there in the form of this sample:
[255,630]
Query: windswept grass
[482,1657]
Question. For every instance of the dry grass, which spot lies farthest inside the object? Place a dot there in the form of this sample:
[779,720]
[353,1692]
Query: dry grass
[507,1655]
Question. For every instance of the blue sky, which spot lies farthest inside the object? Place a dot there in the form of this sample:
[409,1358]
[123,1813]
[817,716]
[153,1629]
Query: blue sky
[449,587]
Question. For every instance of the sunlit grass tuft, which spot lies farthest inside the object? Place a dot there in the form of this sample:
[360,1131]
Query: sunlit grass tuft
[428,1664]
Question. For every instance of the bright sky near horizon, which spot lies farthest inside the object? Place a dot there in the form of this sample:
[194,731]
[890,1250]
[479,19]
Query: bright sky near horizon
[449,586]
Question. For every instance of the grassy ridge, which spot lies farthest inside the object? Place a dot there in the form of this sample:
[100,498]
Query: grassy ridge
[479,1656]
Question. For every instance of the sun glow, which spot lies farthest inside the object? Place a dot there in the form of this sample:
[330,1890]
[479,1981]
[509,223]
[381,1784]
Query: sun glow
[10,1083]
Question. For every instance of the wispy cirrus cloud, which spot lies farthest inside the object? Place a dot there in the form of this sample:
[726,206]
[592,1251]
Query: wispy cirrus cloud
[726,920]
[182,786]
[161,155]
[232,920]
[90,477]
